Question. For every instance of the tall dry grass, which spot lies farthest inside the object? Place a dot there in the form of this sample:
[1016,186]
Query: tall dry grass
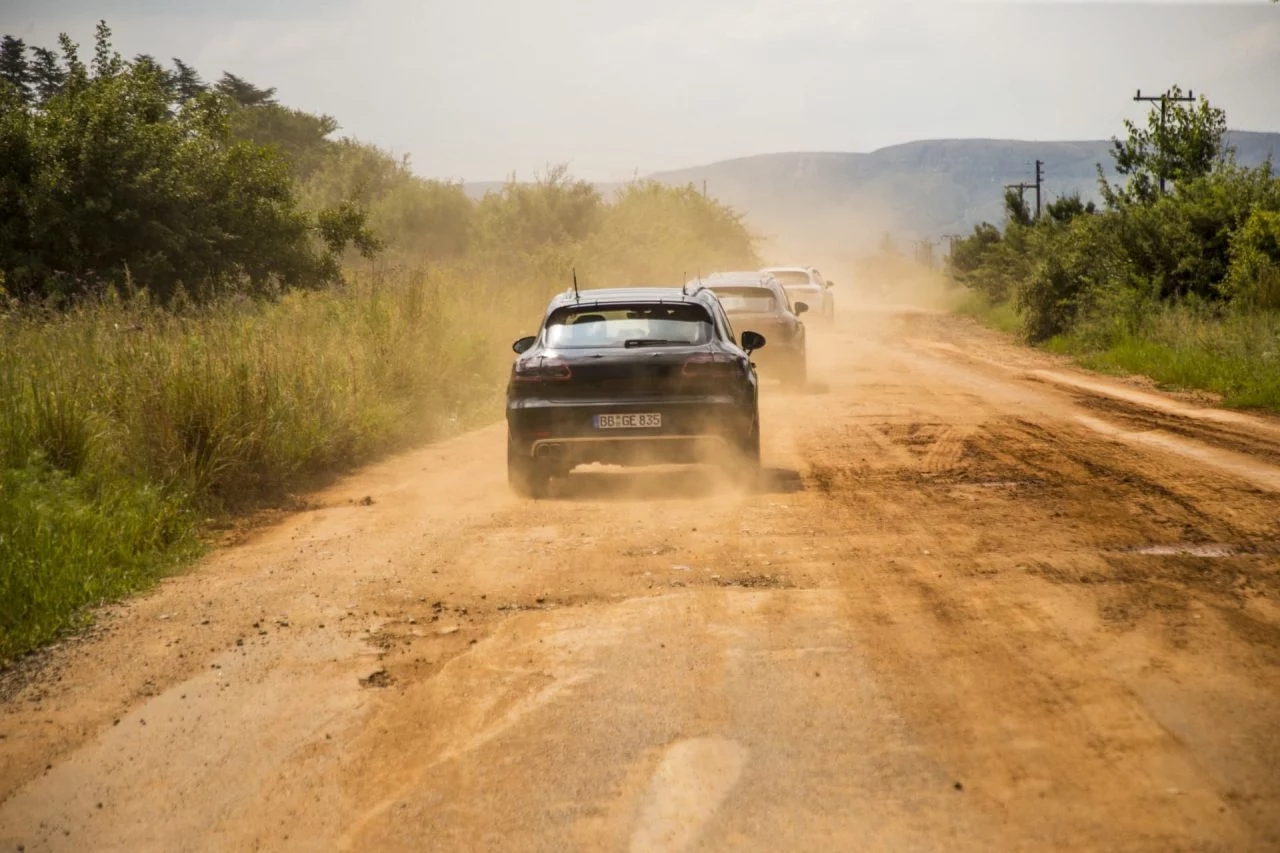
[123,424]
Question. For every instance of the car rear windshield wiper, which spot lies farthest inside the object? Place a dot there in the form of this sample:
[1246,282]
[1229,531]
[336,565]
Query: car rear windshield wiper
[650,342]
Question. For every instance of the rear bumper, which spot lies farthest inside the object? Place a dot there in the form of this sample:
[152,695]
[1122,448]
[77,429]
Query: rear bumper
[564,430]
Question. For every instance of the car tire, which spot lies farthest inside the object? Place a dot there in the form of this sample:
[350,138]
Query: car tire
[751,448]
[526,476]
[747,471]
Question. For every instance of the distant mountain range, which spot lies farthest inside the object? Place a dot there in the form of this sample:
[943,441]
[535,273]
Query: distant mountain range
[825,202]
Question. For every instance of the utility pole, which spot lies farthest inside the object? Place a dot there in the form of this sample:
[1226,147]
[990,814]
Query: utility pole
[1022,188]
[1164,100]
[1039,182]
[924,252]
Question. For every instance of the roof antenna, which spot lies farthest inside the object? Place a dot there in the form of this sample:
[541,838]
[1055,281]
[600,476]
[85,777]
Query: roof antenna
[576,296]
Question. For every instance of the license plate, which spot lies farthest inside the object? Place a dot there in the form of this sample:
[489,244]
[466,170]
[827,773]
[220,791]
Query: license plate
[628,421]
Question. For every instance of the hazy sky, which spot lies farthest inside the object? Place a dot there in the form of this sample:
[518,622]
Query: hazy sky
[476,89]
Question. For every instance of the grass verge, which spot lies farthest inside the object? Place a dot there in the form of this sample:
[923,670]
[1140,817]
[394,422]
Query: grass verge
[124,425]
[1234,355]
[997,315]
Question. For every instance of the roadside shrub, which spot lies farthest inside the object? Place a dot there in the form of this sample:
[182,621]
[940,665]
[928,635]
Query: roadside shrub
[1253,276]
[655,234]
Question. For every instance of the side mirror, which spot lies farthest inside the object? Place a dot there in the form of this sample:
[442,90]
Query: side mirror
[524,344]
[801,307]
[829,284]
[752,341]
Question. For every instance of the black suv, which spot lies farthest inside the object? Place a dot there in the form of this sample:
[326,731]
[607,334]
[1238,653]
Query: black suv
[632,376]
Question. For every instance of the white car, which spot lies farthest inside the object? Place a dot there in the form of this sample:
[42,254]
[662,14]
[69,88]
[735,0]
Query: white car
[806,284]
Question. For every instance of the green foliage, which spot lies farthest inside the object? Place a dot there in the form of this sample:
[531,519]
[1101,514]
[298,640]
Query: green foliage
[15,72]
[997,315]
[104,181]
[417,219]
[988,263]
[187,84]
[1181,242]
[302,138]
[1068,267]
[346,225]
[66,543]
[554,210]
[1253,277]
[656,234]
[243,93]
[1066,208]
[1182,285]
[1179,143]
[1016,210]
[47,74]
[1236,354]
[123,423]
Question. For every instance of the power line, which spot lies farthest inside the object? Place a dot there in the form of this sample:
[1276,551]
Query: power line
[1164,101]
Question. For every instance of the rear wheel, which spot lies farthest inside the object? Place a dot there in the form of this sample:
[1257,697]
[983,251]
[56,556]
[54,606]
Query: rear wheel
[526,476]
[743,464]
[751,448]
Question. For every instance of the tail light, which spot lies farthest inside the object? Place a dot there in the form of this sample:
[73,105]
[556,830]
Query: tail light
[541,369]
[711,365]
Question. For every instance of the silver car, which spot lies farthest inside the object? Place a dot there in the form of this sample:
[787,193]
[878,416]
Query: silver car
[806,284]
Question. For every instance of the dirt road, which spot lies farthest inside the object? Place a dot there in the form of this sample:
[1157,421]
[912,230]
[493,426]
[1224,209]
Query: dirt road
[981,602]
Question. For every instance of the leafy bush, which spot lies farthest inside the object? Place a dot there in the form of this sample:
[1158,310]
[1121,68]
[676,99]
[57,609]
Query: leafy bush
[109,177]
[1181,283]
[655,234]
[1253,277]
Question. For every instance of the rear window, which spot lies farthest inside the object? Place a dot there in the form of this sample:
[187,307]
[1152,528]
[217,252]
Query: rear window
[747,300]
[628,326]
[791,277]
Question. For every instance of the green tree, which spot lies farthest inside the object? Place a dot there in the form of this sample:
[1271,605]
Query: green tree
[47,74]
[1016,210]
[1181,141]
[15,71]
[300,136]
[187,84]
[146,63]
[243,92]
[658,234]
[553,210]
[1065,208]
[1253,278]
[106,182]
[106,62]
